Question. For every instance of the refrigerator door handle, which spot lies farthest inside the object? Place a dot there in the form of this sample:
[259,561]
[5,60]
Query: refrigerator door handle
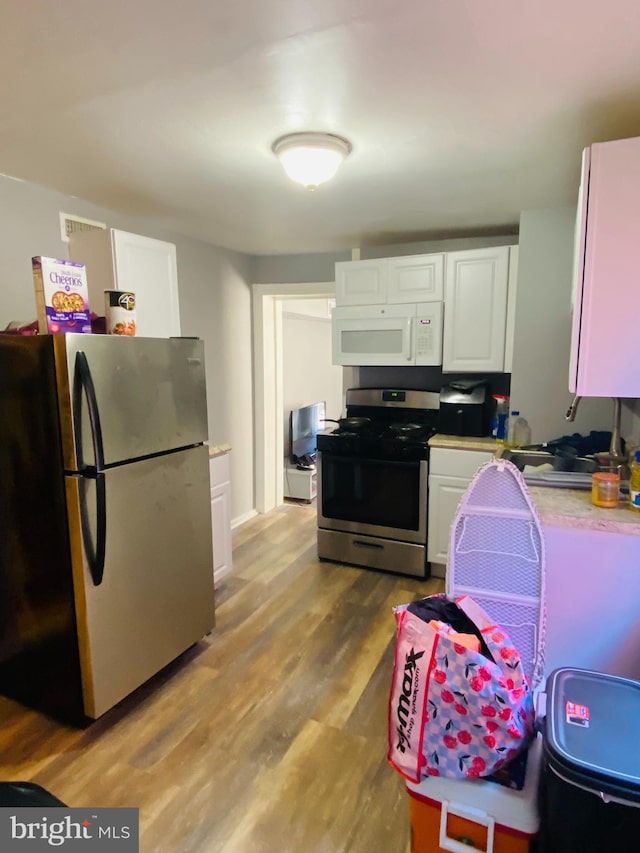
[97,565]
[84,382]
[95,555]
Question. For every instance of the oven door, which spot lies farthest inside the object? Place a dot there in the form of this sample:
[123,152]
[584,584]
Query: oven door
[379,497]
[373,335]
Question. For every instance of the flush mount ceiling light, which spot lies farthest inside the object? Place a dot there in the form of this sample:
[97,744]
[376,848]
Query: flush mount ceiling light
[311,158]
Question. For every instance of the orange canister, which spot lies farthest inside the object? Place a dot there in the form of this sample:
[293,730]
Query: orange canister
[605,487]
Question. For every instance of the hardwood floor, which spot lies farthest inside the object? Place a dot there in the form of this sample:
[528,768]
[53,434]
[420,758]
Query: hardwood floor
[270,735]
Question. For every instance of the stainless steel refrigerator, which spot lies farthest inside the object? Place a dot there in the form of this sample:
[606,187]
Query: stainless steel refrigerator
[106,568]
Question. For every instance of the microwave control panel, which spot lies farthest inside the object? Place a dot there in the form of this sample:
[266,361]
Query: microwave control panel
[428,334]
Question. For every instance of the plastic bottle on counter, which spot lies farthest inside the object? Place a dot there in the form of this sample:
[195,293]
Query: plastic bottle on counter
[634,482]
[499,426]
[519,434]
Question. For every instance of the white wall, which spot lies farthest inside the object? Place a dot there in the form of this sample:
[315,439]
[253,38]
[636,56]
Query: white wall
[307,373]
[539,381]
[214,305]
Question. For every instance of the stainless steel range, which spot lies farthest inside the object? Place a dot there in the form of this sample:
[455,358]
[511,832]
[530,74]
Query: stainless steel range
[372,481]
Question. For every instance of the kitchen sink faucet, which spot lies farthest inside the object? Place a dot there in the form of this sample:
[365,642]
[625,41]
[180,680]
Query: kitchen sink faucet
[615,448]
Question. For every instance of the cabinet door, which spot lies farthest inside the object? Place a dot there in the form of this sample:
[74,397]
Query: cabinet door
[220,475]
[416,278]
[361,282]
[610,306]
[475,310]
[444,496]
[221,530]
[578,268]
[148,268]
[511,309]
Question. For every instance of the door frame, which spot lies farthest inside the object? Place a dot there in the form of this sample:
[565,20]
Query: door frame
[266,309]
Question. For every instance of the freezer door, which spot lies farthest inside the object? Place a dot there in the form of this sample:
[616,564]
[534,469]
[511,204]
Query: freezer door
[148,395]
[155,598]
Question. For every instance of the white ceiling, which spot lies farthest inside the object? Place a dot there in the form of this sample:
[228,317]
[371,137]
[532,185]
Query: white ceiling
[461,112]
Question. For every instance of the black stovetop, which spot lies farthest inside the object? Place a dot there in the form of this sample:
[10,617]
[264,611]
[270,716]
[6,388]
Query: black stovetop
[400,439]
[399,428]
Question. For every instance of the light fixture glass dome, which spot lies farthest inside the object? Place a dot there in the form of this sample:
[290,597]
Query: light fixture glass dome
[311,158]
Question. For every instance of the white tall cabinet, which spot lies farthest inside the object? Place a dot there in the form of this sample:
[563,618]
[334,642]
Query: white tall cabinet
[476,290]
[118,260]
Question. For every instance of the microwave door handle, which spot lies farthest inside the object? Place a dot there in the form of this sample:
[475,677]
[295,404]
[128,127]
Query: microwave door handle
[411,356]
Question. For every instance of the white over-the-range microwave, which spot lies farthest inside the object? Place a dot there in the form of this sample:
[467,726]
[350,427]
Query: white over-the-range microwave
[390,335]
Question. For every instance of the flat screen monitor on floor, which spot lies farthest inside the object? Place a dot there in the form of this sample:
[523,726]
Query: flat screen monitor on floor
[304,425]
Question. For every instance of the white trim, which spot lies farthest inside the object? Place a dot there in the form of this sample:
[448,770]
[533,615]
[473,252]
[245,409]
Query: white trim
[291,315]
[241,519]
[267,367]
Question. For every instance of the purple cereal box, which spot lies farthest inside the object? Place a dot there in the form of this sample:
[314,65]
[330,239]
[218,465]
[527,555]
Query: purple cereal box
[62,298]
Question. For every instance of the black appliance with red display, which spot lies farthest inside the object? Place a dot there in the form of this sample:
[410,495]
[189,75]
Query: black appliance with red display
[372,481]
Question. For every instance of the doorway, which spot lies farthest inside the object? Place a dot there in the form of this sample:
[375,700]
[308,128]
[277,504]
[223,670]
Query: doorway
[267,302]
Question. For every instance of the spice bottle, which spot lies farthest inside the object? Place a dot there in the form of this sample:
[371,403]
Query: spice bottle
[500,421]
[634,482]
[605,487]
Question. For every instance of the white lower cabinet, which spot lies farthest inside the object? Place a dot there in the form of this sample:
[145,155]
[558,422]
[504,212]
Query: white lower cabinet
[220,476]
[451,471]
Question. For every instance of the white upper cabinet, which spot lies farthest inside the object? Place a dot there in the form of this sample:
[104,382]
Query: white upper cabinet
[606,295]
[475,315]
[361,282]
[390,281]
[117,260]
[415,278]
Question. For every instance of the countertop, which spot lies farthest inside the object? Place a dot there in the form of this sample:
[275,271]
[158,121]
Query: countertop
[573,508]
[570,508]
[464,442]
[218,449]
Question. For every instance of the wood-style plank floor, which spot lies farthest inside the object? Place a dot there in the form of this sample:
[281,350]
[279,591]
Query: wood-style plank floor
[268,736]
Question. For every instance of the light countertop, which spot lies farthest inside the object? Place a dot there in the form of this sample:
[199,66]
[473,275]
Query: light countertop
[218,449]
[464,442]
[571,508]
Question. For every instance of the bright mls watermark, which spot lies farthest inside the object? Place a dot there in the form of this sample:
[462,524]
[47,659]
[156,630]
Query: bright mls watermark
[27,830]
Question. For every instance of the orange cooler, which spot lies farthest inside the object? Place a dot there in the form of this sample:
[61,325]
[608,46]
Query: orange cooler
[460,815]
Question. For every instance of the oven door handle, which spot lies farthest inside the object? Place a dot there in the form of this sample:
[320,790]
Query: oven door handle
[371,545]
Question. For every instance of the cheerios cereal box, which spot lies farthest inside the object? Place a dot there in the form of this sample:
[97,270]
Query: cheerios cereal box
[62,298]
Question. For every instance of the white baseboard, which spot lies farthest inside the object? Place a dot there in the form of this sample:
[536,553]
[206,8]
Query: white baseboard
[247,516]
[220,574]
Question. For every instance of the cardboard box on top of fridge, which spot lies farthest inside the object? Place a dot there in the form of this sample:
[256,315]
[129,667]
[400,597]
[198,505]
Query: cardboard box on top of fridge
[62,298]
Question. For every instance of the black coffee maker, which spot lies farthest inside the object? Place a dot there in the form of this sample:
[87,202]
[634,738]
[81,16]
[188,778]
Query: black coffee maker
[465,408]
